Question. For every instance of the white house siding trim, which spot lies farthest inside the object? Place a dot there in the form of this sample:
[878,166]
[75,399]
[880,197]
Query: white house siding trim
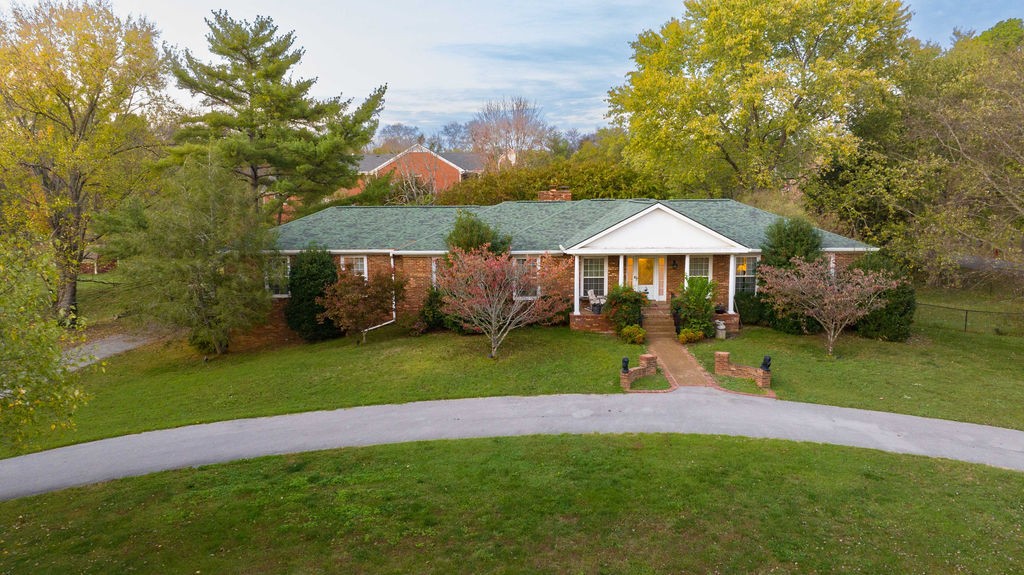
[634,234]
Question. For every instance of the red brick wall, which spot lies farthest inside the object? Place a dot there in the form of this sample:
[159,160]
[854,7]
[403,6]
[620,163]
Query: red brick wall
[554,195]
[274,332]
[675,276]
[613,271]
[417,271]
[844,260]
[720,273]
[426,166]
[723,366]
[591,322]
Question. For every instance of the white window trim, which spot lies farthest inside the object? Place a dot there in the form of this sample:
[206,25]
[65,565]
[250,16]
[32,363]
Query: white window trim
[529,259]
[604,273]
[686,267]
[287,279]
[366,267]
[757,260]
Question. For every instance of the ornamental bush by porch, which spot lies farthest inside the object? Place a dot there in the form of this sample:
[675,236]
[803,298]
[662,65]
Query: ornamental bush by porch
[624,306]
[633,334]
[694,306]
[687,335]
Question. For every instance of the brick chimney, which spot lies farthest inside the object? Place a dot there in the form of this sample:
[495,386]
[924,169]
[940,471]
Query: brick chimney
[562,194]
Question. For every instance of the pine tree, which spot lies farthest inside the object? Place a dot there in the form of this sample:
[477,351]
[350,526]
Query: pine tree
[263,122]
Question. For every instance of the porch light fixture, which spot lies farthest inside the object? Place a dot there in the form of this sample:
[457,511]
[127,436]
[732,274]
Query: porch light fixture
[675,265]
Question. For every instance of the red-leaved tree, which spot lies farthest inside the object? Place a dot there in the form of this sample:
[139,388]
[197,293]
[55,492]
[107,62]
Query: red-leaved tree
[837,298]
[355,304]
[497,293]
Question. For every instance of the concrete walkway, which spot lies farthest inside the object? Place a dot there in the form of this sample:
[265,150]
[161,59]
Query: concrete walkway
[699,410]
[677,363]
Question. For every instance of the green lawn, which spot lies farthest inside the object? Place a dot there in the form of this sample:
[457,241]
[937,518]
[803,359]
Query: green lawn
[973,310]
[169,385]
[938,373]
[567,504]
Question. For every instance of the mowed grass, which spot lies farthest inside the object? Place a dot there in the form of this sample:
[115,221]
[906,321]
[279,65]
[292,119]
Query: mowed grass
[939,373]
[630,504]
[169,385]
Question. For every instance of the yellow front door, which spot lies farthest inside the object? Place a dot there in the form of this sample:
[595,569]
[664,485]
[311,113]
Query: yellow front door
[645,276]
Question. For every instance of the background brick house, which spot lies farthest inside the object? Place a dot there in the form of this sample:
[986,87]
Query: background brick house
[651,245]
[439,171]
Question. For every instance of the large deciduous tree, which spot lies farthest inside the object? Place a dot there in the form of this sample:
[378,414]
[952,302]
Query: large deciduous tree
[36,385]
[76,85]
[264,124]
[395,138]
[835,296]
[498,293]
[504,130]
[975,121]
[749,95]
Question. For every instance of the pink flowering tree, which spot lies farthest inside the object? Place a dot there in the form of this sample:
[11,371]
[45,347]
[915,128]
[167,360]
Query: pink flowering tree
[497,293]
[836,298]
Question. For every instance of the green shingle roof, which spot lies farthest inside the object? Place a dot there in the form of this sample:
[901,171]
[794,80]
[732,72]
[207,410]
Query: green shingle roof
[534,226]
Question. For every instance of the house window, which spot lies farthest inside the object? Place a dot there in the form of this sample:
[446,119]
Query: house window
[529,287]
[593,275]
[276,276]
[746,274]
[355,264]
[700,266]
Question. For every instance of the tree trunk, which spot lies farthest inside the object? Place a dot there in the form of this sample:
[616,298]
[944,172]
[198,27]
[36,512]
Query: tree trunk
[67,293]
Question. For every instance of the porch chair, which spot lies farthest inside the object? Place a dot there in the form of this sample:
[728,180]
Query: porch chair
[595,300]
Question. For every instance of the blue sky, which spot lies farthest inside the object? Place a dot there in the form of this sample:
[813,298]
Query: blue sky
[444,58]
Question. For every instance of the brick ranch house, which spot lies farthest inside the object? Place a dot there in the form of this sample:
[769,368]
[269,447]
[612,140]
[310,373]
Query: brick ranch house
[440,171]
[651,245]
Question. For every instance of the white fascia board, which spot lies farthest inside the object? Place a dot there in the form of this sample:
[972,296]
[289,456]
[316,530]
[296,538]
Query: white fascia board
[851,250]
[418,148]
[659,252]
[333,252]
[429,253]
[358,252]
[535,252]
[667,210]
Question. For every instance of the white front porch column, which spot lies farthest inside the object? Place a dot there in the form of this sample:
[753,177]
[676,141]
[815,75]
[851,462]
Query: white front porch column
[622,270]
[732,282]
[576,286]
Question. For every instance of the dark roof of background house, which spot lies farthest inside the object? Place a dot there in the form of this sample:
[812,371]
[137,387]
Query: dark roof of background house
[370,162]
[534,226]
[468,161]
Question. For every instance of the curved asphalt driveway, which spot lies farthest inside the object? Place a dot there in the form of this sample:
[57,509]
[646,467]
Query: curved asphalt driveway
[686,410]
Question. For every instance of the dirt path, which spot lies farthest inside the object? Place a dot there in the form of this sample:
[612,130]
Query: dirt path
[89,353]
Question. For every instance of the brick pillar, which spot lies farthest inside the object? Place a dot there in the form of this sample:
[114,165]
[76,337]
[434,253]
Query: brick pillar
[763,378]
[721,362]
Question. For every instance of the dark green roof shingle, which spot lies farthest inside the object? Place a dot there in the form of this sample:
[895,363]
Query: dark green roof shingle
[534,226]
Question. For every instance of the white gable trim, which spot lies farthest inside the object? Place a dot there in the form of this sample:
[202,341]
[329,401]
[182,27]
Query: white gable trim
[581,247]
[417,148]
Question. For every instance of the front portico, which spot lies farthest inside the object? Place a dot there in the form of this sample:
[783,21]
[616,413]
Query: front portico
[654,251]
